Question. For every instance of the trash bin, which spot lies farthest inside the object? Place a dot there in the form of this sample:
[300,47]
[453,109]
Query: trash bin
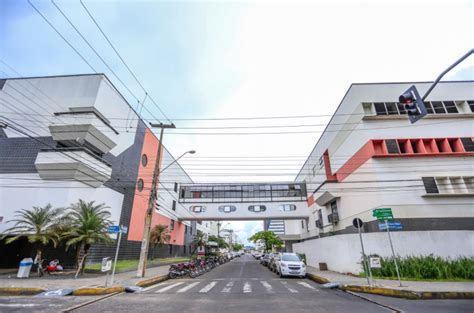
[25,268]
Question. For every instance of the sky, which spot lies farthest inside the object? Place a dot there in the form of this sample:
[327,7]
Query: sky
[242,59]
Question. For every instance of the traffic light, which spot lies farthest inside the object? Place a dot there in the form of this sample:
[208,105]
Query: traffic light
[413,104]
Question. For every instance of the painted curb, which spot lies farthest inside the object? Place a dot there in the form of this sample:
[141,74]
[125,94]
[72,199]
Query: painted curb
[18,291]
[95,291]
[409,294]
[152,281]
[318,279]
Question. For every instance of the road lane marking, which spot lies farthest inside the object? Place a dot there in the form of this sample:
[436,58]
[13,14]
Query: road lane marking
[247,287]
[184,289]
[228,287]
[208,287]
[154,286]
[305,284]
[288,287]
[267,286]
[169,287]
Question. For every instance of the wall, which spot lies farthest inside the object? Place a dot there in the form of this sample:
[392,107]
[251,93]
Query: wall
[342,253]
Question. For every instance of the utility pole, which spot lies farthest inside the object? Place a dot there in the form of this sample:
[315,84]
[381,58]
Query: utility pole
[151,203]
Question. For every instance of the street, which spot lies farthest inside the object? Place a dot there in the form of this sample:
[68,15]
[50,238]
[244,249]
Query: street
[242,285]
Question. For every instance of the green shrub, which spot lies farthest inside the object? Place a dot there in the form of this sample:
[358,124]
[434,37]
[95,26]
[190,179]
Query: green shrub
[427,267]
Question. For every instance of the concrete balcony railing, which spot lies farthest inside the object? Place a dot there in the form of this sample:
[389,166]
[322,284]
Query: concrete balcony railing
[84,127]
[75,164]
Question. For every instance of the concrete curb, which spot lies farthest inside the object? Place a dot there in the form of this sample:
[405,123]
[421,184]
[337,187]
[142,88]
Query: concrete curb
[96,291]
[19,291]
[152,281]
[409,294]
[318,279]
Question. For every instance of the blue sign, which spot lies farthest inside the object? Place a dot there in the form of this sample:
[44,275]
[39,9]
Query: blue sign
[113,229]
[391,225]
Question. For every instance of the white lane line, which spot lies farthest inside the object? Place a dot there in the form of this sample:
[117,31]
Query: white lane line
[247,287]
[267,286]
[184,289]
[228,287]
[208,287]
[154,286]
[305,284]
[169,287]
[289,288]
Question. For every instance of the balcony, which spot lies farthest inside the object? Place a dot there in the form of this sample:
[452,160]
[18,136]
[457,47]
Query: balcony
[84,126]
[75,164]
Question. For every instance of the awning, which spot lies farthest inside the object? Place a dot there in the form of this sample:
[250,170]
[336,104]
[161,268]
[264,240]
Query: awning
[325,198]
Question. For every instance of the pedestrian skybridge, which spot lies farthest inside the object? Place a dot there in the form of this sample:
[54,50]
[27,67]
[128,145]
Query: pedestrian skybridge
[244,201]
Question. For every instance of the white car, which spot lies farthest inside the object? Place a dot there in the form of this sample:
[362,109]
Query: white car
[290,264]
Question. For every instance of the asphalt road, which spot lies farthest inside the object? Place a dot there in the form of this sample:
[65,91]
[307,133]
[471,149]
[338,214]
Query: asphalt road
[240,286]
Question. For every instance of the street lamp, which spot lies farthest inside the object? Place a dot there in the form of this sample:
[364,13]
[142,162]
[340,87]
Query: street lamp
[176,160]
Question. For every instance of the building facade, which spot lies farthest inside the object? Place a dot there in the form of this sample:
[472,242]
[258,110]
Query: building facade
[75,137]
[370,157]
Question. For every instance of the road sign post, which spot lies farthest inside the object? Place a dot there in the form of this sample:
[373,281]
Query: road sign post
[357,222]
[393,253]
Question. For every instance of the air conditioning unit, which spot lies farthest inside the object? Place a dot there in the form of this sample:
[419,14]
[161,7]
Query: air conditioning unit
[319,224]
[333,218]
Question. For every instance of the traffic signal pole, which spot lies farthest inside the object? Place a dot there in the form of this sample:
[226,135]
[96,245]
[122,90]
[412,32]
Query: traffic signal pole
[151,203]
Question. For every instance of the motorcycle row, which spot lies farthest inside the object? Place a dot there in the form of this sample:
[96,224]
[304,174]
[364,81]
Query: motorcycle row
[196,267]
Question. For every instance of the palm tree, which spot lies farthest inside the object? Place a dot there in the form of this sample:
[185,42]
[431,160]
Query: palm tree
[88,225]
[199,241]
[159,236]
[38,225]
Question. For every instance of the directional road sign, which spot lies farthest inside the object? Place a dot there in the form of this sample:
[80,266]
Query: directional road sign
[113,229]
[383,214]
[391,225]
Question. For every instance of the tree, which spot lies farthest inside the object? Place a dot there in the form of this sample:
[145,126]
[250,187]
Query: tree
[159,236]
[268,238]
[89,223]
[237,246]
[221,243]
[38,225]
[199,241]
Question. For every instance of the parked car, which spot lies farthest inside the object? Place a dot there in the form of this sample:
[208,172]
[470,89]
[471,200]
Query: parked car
[265,259]
[258,255]
[290,264]
[272,262]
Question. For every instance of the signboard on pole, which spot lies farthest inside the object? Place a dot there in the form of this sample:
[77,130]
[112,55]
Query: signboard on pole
[106,264]
[124,229]
[113,229]
[391,225]
[383,214]
[375,262]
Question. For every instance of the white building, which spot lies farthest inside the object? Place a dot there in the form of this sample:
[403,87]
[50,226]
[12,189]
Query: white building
[370,156]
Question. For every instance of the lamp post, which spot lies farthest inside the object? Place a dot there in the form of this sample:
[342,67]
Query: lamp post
[182,155]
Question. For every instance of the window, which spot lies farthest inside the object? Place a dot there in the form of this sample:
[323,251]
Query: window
[448,185]
[144,160]
[438,107]
[227,208]
[432,107]
[140,184]
[185,231]
[333,206]
[174,205]
[257,208]
[450,106]
[471,105]
[197,209]
[175,187]
[391,108]
[302,224]
[172,225]
[287,207]
[380,108]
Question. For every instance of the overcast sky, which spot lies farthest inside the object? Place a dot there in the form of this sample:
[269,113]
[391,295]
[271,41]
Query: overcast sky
[243,59]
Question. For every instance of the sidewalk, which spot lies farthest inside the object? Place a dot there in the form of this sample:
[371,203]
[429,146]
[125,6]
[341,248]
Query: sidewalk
[427,289]
[48,282]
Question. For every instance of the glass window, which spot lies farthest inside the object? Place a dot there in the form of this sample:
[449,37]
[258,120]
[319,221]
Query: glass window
[144,160]
[140,184]
[290,258]
[471,105]
[438,107]
[380,108]
[450,107]
[391,108]
[334,206]
[429,108]
[197,209]
[174,205]
[287,207]
[227,208]
[175,187]
[257,208]
[172,225]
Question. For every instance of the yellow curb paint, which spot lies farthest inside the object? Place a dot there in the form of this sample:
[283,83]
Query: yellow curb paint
[97,291]
[20,291]
[318,279]
[409,294]
[152,281]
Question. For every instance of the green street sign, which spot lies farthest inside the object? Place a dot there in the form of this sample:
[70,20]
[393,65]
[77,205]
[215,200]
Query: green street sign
[381,210]
[383,214]
[384,217]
